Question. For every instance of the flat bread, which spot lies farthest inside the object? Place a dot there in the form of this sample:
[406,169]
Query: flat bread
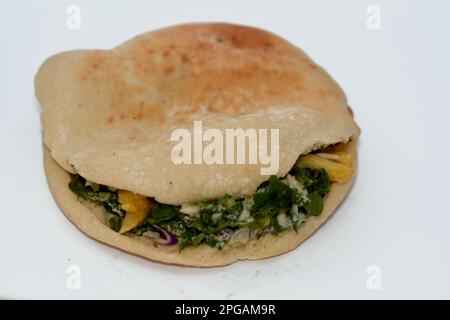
[108,115]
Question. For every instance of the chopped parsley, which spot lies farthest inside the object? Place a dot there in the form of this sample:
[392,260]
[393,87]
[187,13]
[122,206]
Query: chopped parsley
[277,205]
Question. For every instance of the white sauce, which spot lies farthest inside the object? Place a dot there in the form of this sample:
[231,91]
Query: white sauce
[190,209]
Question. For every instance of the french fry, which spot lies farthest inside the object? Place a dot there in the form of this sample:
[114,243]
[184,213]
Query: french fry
[338,172]
[132,220]
[137,208]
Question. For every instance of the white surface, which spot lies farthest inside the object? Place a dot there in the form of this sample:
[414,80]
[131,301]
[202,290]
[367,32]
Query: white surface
[397,215]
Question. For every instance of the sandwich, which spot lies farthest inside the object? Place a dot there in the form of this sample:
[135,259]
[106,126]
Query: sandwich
[142,143]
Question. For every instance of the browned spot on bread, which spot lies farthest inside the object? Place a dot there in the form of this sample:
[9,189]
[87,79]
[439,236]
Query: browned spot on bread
[168,70]
[267,46]
[242,37]
[185,58]
[140,113]
[110,119]
[311,65]
[236,40]
[93,61]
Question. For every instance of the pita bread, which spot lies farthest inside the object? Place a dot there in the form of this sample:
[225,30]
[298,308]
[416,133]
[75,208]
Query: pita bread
[108,116]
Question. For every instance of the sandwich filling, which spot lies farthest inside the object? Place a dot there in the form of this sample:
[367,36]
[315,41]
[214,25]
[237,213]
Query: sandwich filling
[278,205]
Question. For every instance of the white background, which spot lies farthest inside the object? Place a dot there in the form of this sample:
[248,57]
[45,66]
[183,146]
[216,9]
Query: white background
[396,217]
